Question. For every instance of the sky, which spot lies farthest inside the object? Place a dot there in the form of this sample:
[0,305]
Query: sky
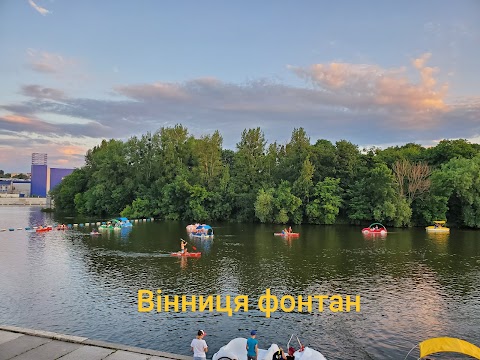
[376,73]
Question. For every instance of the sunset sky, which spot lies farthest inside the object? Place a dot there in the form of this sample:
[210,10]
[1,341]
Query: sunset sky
[376,73]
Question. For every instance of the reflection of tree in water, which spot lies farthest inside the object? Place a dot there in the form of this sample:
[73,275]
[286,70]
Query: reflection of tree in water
[36,218]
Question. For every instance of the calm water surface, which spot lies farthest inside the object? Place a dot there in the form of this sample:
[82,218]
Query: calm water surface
[412,286]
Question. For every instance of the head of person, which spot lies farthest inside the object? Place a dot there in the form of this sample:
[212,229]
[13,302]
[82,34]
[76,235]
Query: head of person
[201,333]
[253,333]
[291,351]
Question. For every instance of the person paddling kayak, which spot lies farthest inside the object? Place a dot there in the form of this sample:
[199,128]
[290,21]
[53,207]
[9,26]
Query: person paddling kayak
[183,246]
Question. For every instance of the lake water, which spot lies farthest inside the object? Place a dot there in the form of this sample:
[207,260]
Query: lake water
[412,286]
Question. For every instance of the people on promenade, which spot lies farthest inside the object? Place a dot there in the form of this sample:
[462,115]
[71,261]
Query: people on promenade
[199,346]
[252,346]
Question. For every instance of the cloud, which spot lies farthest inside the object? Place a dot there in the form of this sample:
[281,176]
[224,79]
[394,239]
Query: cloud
[19,123]
[39,92]
[41,10]
[370,86]
[363,103]
[16,153]
[48,63]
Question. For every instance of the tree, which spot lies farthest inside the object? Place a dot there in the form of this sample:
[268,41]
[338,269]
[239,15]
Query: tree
[303,185]
[287,205]
[175,151]
[208,156]
[460,183]
[375,197]
[449,149]
[296,152]
[413,179]
[64,193]
[247,172]
[327,201]
[323,157]
[347,162]
[264,205]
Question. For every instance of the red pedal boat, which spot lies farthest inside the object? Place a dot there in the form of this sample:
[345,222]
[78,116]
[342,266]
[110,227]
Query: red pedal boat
[374,229]
[187,254]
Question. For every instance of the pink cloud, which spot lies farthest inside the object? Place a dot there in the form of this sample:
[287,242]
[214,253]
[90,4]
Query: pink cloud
[19,123]
[371,84]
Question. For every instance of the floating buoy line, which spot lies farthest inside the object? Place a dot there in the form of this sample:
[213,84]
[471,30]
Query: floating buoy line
[70,226]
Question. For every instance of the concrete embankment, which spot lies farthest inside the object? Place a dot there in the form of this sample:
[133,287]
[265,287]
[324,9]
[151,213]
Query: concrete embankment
[27,344]
[23,201]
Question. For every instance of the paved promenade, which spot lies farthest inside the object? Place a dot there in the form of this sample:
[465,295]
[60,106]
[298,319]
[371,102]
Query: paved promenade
[25,344]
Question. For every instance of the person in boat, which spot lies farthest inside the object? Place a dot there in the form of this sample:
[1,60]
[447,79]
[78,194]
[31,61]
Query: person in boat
[376,227]
[199,346]
[279,355]
[252,346]
[290,355]
[183,246]
[290,230]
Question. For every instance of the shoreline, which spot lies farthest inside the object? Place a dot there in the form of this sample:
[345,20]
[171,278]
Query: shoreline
[7,201]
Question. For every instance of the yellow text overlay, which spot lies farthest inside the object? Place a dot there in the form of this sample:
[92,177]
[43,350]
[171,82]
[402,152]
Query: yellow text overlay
[267,303]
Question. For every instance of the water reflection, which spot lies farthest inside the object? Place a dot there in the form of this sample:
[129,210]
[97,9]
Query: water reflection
[412,286]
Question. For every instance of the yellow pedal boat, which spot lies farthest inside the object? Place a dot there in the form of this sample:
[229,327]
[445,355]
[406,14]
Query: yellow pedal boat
[438,227]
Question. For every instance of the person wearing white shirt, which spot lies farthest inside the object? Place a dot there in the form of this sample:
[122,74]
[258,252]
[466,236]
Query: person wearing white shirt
[199,346]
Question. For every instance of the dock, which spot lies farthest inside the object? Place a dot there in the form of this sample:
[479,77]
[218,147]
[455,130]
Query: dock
[26,344]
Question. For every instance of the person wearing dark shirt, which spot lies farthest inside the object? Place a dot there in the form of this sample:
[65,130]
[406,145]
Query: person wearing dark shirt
[279,355]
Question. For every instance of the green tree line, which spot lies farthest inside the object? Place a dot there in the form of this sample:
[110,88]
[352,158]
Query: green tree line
[173,175]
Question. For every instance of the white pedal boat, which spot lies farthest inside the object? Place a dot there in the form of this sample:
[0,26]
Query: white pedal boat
[235,350]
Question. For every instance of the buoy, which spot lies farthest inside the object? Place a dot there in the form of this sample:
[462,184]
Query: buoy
[19,228]
[3,230]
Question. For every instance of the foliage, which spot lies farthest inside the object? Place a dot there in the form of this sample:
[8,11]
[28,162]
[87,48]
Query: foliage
[327,201]
[170,174]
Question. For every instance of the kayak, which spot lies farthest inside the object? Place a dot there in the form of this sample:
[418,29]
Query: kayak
[44,229]
[235,349]
[188,254]
[287,234]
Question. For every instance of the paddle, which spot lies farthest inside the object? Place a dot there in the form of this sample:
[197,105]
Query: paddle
[193,247]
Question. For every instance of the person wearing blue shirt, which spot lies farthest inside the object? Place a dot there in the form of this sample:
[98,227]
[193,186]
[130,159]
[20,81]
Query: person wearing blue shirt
[252,346]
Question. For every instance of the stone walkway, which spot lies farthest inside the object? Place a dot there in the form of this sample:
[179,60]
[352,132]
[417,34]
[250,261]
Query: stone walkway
[26,344]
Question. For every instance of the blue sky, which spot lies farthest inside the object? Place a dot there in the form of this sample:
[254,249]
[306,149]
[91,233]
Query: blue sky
[375,73]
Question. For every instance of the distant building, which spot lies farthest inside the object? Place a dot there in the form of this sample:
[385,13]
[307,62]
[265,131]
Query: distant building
[44,178]
[15,186]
